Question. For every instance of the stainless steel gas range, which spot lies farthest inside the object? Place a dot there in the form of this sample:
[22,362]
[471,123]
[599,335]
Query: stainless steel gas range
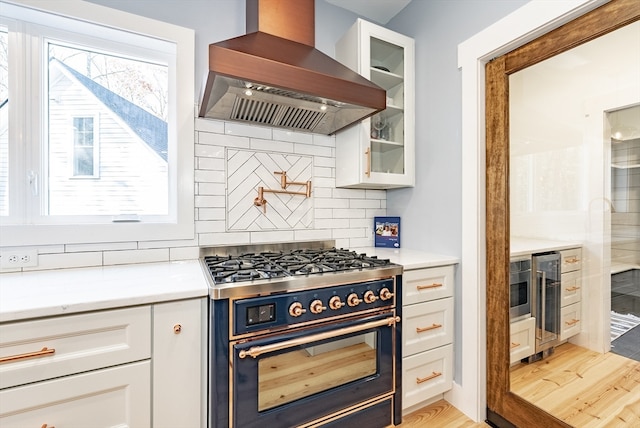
[302,335]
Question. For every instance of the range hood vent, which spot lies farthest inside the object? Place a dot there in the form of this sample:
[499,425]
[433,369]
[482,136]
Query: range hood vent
[274,76]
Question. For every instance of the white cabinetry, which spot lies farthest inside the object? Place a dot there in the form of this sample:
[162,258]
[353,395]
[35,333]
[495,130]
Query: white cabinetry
[427,335]
[522,341]
[95,353]
[379,152]
[102,369]
[571,294]
[179,374]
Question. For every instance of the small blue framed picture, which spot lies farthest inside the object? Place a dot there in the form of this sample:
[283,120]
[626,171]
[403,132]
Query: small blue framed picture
[387,232]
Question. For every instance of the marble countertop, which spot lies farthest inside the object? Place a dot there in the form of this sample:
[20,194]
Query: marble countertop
[66,291]
[409,259]
[527,246]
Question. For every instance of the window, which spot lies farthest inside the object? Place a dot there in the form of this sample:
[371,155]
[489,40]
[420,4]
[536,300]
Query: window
[91,146]
[84,164]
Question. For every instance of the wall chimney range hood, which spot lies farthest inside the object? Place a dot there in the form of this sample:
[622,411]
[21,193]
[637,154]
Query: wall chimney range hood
[274,76]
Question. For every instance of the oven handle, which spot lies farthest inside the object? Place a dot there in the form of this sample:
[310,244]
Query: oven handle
[256,351]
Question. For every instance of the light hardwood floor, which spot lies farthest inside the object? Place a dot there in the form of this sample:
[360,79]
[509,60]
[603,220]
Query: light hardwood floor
[585,389]
[440,414]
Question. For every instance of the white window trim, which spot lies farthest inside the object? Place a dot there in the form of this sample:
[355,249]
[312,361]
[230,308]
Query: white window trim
[181,124]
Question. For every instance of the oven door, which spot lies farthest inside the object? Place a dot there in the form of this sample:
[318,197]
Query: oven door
[298,377]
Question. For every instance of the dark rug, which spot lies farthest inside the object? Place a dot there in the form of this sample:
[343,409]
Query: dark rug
[628,345]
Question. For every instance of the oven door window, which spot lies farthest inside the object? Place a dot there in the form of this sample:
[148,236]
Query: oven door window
[299,376]
[300,373]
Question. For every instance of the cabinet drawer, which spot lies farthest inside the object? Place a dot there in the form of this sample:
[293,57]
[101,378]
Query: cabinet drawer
[571,320]
[571,288]
[80,343]
[421,285]
[523,343]
[571,260]
[426,375]
[117,396]
[427,325]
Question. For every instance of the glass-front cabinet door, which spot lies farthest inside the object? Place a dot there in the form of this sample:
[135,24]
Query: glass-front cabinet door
[382,147]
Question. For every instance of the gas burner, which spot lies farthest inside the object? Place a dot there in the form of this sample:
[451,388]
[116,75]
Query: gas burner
[288,263]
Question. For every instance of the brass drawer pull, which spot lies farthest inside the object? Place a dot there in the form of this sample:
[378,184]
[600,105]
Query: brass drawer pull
[425,287]
[572,260]
[574,288]
[41,353]
[514,345]
[431,327]
[572,322]
[47,426]
[431,376]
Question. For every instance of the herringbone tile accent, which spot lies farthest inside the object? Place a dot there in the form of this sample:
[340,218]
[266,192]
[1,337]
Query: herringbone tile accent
[246,171]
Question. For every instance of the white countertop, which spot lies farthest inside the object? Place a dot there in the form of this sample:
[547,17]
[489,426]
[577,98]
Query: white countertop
[526,246]
[409,259]
[65,291]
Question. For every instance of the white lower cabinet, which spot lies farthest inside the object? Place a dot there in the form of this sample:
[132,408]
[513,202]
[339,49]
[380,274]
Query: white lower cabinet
[113,397]
[426,375]
[523,341]
[427,335]
[570,324]
[102,369]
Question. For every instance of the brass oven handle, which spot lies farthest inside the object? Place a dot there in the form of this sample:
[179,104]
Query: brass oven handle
[256,351]
[572,322]
[425,287]
[431,327]
[43,352]
[574,288]
[433,375]
[367,153]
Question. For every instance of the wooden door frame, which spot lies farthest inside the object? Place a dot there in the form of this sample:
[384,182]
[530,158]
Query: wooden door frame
[501,402]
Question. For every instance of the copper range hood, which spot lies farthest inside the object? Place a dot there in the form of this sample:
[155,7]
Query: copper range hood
[274,76]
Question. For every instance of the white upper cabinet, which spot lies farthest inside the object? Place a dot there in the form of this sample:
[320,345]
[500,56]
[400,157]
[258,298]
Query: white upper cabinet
[378,153]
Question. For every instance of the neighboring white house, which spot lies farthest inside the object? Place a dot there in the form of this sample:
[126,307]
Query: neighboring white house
[106,154]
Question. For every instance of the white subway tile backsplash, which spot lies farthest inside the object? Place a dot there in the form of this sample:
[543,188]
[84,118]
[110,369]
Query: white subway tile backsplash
[136,256]
[329,162]
[291,136]
[210,201]
[349,233]
[331,223]
[321,192]
[209,151]
[324,182]
[67,260]
[210,214]
[209,176]
[371,213]
[227,238]
[323,213]
[240,129]
[211,189]
[209,126]
[323,171]
[331,203]
[364,203]
[210,226]
[348,213]
[271,145]
[214,164]
[147,245]
[361,222]
[324,140]
[310,235]
[184,253]
[81,248]
[349,193]
[375,194]
[272,236]
[305,149]
[360,242]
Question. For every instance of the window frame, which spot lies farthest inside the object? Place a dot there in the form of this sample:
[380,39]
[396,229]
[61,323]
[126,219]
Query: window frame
[47,230]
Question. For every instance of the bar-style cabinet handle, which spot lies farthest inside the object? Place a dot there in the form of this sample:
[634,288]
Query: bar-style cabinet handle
[433,375]
[431,327]
[367,153]
[572,322]
[43,352]
[426,287]
[514,345]
[572,260]
[47,426]
[574,288]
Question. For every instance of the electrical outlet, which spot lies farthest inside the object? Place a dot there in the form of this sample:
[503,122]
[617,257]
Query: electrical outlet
[12,259]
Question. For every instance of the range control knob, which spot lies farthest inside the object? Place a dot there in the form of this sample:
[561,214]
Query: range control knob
[335,303]
[317,307]
[296,309]
[353,300]
[385,294]
[370,297]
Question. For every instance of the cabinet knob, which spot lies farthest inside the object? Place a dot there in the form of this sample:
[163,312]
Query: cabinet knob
[177,328]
